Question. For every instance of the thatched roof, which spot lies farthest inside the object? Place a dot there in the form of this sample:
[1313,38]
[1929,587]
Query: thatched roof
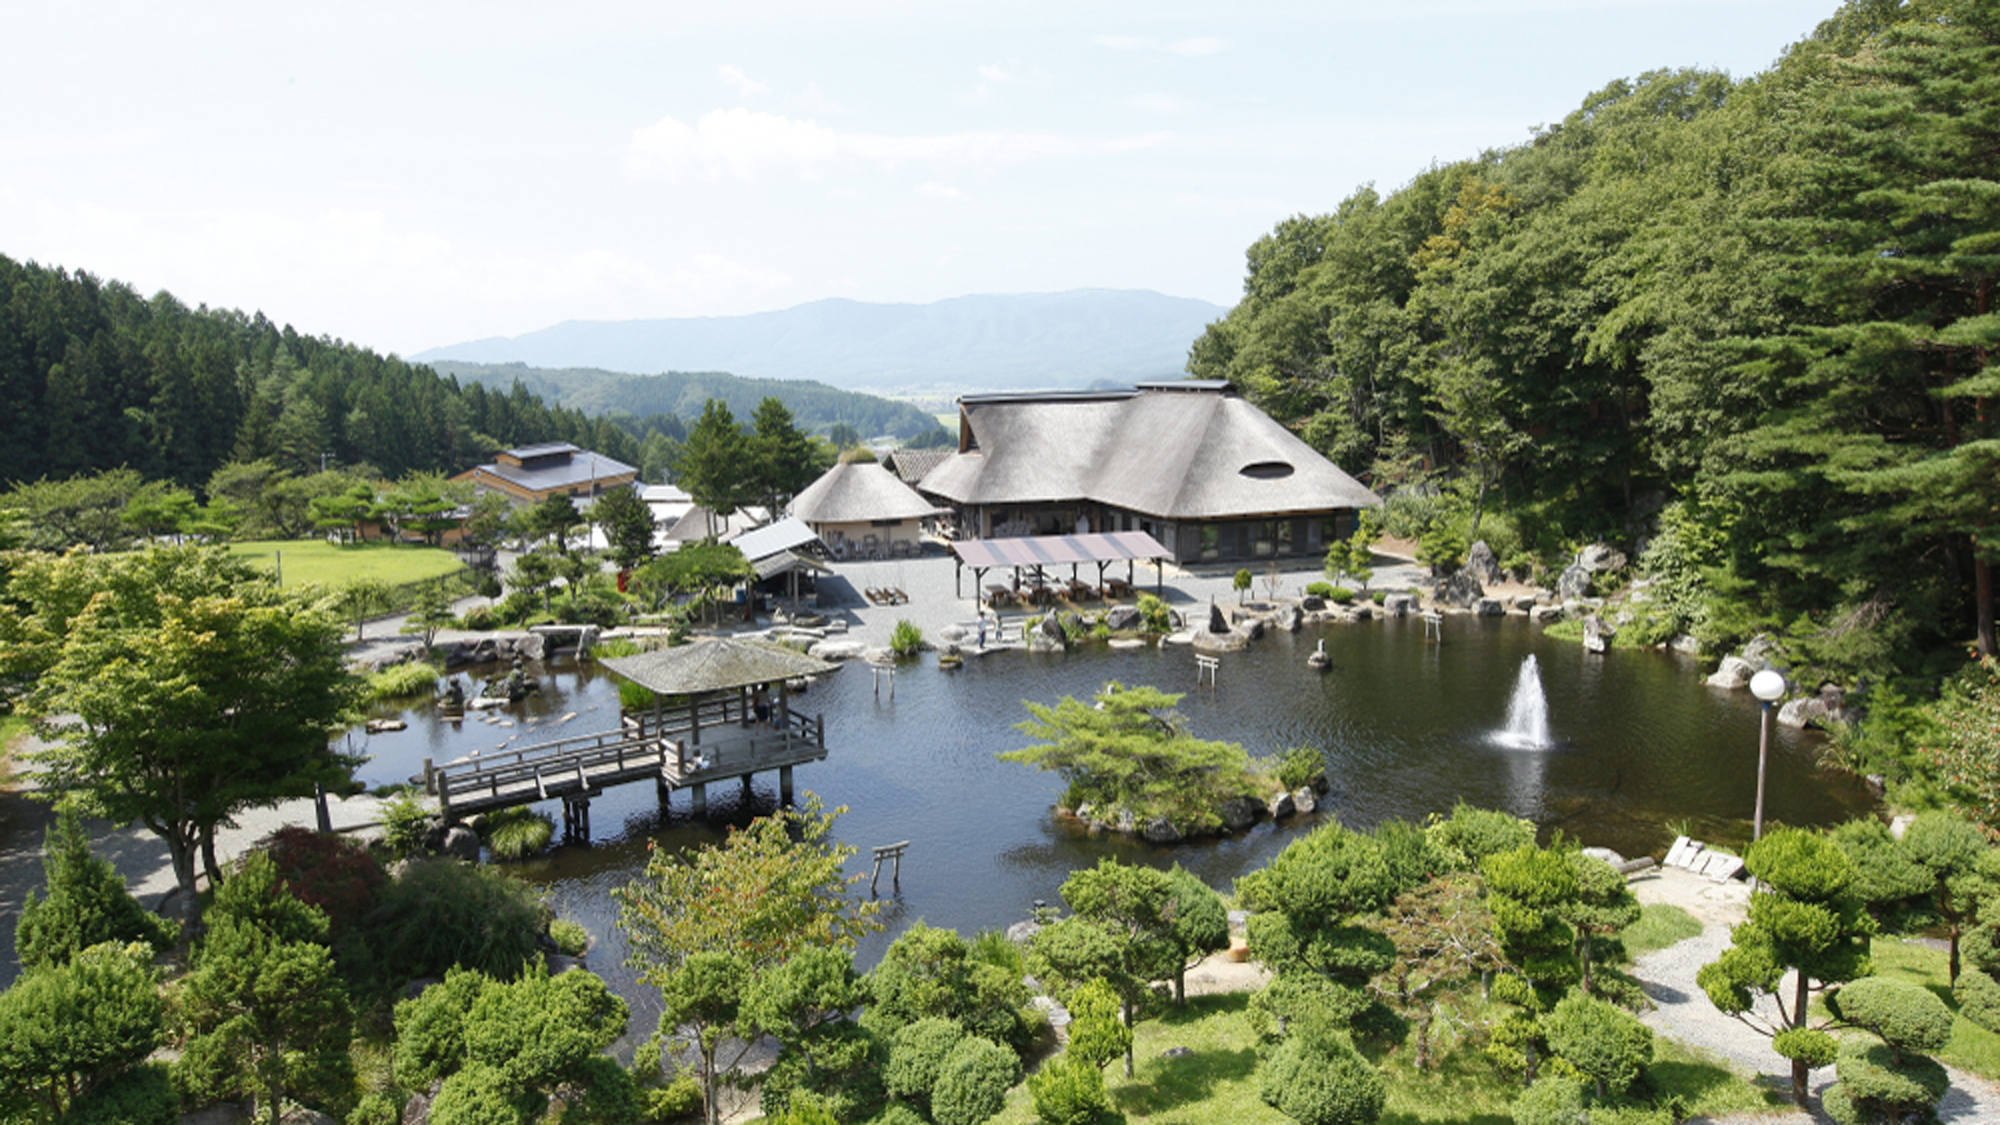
[722,664]
[912,465]
[1180,451]
[859,492]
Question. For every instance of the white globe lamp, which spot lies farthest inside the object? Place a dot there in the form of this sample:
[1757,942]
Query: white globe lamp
[1768,687]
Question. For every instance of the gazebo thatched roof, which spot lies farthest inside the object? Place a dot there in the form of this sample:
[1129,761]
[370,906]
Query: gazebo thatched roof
[723,664]
[860,492]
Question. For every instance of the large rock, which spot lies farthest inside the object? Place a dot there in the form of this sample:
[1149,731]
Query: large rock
[1829,706]
[1050,634]
[1459,589]
[1312,603]
[1398,605]
[1123,618]
[837,650]
[1600,556]
[1734,673]
[460,842]
[1218,622]
[1241,812]
[1545,614]
[417,1111]
[300,1115]
[534,646]
[1482,563]
[1279,805]
[1489,607]
[1304,800]
[1289,619]
[1685,644]
[1574,583]
[1160,830]
[1363,611]
[1597,634]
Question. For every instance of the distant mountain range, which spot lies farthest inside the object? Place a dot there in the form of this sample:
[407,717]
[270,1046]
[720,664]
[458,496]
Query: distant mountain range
[979,343]
[815,406]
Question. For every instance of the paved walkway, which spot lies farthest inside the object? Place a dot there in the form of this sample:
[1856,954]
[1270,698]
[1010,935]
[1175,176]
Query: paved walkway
[1684,1012]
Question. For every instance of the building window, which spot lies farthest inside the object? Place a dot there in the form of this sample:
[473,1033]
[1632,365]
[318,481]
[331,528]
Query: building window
[1211,542]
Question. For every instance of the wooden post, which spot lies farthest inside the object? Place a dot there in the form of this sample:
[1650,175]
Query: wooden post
[747,791]
[785,786]
[430,779]
[893,853]
[326,818]
[701,800]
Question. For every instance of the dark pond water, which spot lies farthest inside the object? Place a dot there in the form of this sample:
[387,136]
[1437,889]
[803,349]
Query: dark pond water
[1407,728]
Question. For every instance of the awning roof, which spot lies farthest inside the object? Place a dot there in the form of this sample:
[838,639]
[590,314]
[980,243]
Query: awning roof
[770,566]
[723,664]
[1048,550]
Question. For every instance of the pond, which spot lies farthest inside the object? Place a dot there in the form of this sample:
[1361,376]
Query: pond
[1408,727]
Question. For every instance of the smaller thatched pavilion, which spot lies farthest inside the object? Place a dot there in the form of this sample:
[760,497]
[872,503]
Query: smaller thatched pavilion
[723,707]
[859,508]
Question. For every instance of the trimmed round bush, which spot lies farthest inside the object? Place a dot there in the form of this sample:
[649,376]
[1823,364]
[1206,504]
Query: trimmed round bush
[1552,1100]
[916,1053]
[375,1109]
[678,1098]
[898,1114]
[1478,833]
[477,1095]
[1322,1084]
[1809,1045]
[442,914]
[1069,1091]
[1979,998]
[570,937]
[1608,1044]
[143,1095]
[1878,1088]
[1907,1016]
[1340,595]
[972,1084]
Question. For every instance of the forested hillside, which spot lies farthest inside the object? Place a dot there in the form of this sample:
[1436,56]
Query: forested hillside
[94,376]
[815,406]
[1765,306]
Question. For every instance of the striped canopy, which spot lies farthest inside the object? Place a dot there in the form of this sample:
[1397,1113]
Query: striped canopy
[1048,550]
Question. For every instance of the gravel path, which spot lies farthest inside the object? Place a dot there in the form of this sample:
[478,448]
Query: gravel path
[1683,1011]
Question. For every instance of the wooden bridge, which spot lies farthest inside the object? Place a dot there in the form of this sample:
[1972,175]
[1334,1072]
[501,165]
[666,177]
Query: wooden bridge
[687,748]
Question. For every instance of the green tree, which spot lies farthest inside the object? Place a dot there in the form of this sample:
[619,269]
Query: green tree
[189,689]
[1896,1080]
[1444,938]
[718,466]
[704,925]
[266,1011]
[786,461]
[1605,1043]
[1198,924]
[1954,855]
[534,572]
[345,511]
[1602,906]
[71,1028]
[1126,749]
[1802,922]
[363,598]
[917,1053]
[1527,891]
[701,569]
[1968,714]
[627,524]
[807,1004]
[1321,1080]
[85,903]
[158,509]
[433,611]
[934,972]
[972,1082]
[1241,584]
[552,519]
[1128,913]
[1309,927]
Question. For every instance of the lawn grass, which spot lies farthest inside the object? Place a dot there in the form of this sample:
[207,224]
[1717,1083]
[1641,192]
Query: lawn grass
[1972,1047]
[1660,925]
[334,565]
[11,727]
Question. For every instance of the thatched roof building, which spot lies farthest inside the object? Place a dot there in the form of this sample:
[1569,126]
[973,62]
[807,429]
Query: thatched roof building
[1191,463]
[860,505]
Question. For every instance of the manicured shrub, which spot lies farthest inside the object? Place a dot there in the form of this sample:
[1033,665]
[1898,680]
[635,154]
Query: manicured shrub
[1809,1045]
[906,639]
[1907,1016]
[1475,834]
[1979,998]
[916,1056]
[406,824]
[78,1025]
[143,1095]
[478,1095]
[898,1114]
[375,1109]
[1875,1088]
[803,1109]
[1340,595]
[442,915]
[1323,1083]
[972,1083]
[1156,615]
[570,937]
[1608,1044]
[1378,596]
[1096,1035]
[1069,1091]
[1552,1100]
[678,1098]
[85,903]
[1320,590]
[401,681]
[1298,766]
[517,833]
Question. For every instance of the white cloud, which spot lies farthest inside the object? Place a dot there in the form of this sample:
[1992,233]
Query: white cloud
[746,86]
[1195,47]
[746,145]
[997,74]
[931,189]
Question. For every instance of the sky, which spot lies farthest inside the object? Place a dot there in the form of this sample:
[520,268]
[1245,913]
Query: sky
[412,174]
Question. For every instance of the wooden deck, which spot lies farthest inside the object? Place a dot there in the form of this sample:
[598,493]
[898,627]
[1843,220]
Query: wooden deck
[682,751]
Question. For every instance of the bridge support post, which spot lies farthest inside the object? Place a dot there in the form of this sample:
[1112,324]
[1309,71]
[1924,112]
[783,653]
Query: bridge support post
[701,800]
[666,794]
[785,786]
[576,819]
[747,791]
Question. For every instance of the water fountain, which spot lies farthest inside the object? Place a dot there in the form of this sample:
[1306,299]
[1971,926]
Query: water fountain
[1527,712]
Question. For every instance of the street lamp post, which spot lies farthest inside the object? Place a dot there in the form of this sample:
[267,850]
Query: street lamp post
[1767,686]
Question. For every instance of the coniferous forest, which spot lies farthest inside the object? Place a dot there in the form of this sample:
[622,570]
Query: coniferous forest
[1742,326]
[96,377]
